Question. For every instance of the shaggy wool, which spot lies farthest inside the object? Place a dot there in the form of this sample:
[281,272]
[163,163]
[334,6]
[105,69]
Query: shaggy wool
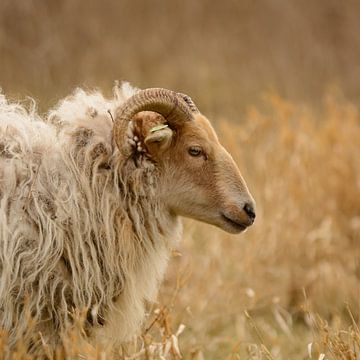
[81,228]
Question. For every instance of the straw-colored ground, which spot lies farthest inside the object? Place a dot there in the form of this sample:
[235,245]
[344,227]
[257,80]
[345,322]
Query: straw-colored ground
[289,288]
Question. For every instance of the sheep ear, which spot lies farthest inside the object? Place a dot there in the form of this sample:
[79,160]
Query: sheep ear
[158,140]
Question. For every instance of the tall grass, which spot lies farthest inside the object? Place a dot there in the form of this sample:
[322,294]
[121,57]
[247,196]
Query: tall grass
[290,285]
[222,53]
[303,168]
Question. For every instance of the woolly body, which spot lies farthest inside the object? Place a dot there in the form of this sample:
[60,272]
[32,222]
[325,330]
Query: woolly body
[80,226]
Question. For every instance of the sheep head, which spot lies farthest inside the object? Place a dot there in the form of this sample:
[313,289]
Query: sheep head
[199,178]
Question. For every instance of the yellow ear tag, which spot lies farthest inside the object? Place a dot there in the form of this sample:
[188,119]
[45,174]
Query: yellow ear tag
[158,127]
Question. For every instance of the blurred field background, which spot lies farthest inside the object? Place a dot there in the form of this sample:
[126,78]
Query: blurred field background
[280,81]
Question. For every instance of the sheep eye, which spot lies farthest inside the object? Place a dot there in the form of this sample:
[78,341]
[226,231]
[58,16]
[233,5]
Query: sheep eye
[195,151]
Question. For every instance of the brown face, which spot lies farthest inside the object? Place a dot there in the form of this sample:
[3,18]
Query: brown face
[201,180]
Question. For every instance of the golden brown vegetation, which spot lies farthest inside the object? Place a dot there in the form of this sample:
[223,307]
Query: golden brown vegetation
[257,296]
[302,256]
[290,287]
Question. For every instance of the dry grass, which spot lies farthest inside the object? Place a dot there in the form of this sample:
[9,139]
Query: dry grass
[303,168]
[222,53]
[294,278]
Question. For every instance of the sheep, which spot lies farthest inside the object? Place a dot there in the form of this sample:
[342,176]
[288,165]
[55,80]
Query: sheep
[90,200]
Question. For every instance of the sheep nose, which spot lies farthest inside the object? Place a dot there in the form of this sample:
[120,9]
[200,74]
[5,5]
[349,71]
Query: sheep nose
[250,211]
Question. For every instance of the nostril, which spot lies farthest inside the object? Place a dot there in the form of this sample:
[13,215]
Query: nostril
[249,209]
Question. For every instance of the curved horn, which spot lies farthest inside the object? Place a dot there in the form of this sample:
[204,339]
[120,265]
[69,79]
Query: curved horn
[171,105]
[190,103]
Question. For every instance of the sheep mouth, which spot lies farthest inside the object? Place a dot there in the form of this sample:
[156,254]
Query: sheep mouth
[235,225]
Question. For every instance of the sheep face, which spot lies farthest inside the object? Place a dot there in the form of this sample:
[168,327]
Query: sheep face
[200,178]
